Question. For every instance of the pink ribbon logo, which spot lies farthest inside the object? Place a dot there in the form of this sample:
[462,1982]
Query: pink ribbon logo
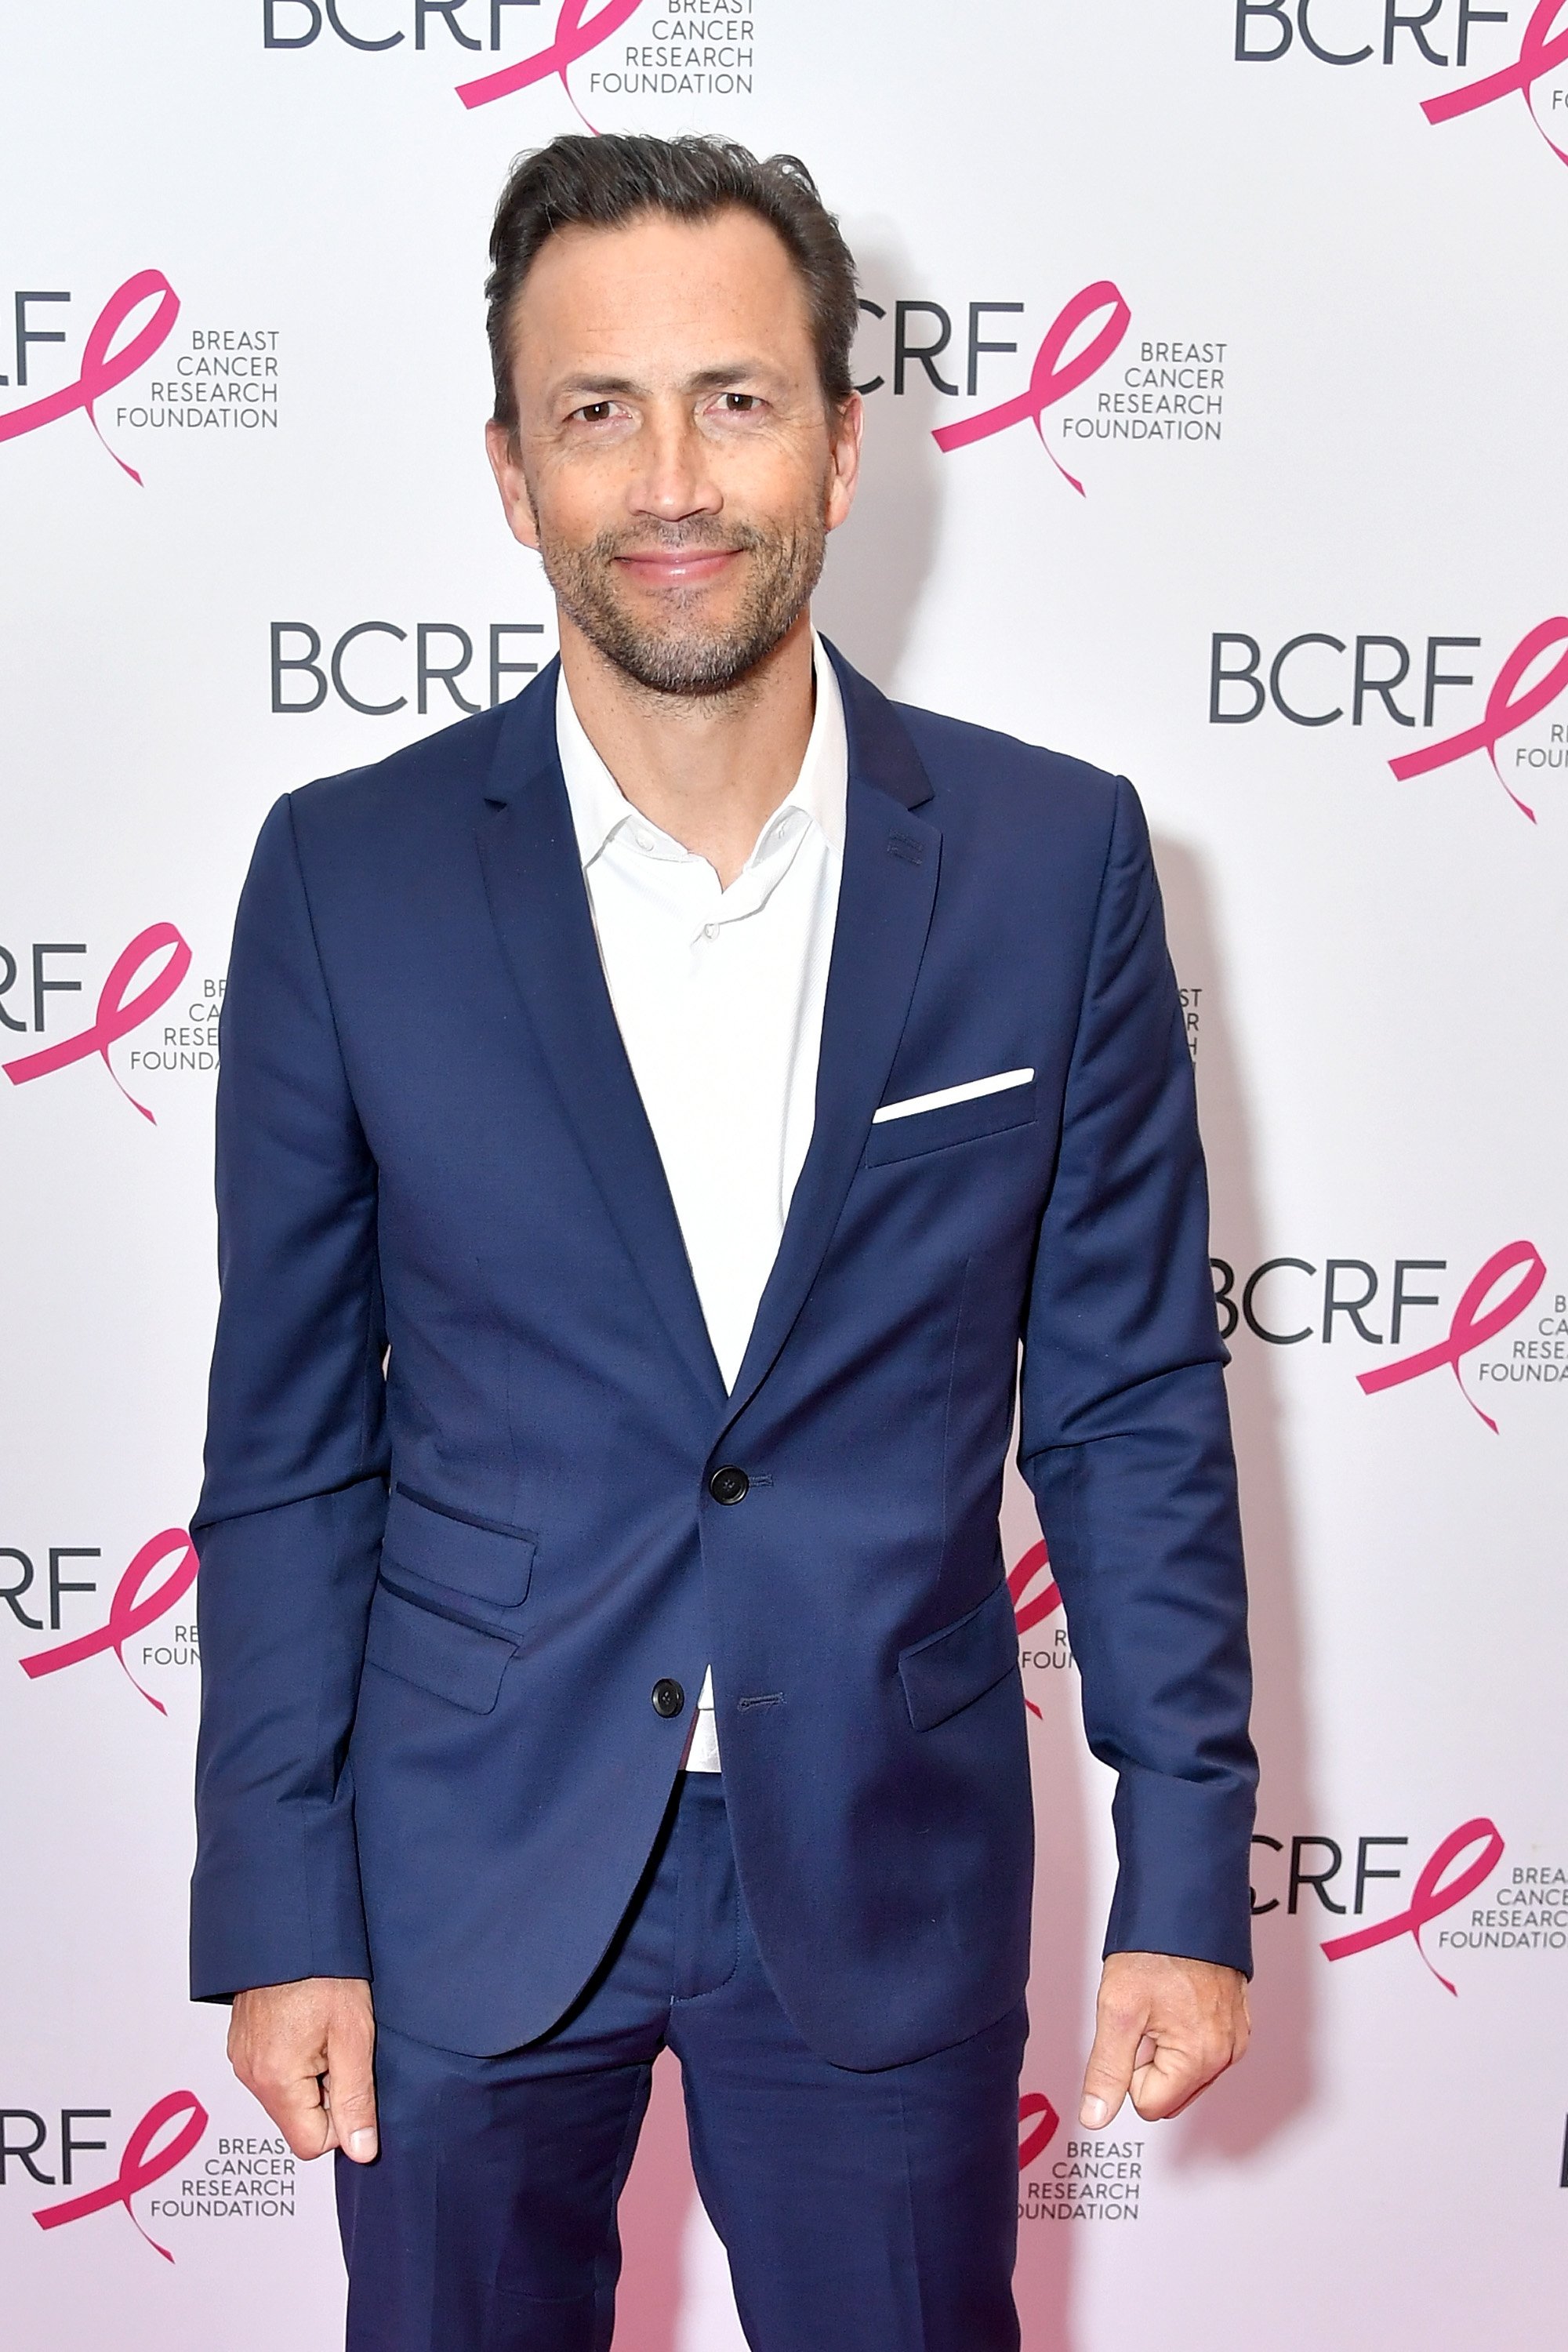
[1032,2144]
[132,1610]
[1506,709]
[1053,377]
[102,367]
[1029,1613]
[577,35]
[1431,1896]
[1542,52]
[118,1014]
[139,2167]
[1470,1328]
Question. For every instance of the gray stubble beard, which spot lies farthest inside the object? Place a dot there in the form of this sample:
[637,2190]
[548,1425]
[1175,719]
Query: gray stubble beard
[789,564]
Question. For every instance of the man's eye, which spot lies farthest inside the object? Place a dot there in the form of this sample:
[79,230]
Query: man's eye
[741,404]
[596,412]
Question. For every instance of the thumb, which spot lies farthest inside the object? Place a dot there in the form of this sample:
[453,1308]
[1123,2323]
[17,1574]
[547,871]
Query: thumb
[1118,2047]
[349,2092]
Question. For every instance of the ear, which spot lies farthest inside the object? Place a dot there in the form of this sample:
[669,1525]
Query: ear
[505,454]
[846,429]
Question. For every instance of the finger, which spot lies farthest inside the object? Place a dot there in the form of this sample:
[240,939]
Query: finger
[295,2104]
[350,2092]
[1107,2077]
[1173,2078]
[286,2080]
[1218,2062]
[1205,2085]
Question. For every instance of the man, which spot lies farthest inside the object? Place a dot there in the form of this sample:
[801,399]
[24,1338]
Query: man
[652,1114]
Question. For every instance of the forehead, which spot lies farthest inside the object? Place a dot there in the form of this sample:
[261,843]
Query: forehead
[657,296]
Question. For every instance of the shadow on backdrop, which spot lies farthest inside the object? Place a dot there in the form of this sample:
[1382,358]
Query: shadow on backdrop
[1061,1976]
[880,562]
[1275,2084]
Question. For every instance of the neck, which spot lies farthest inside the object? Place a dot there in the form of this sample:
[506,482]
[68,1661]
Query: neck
[708,770]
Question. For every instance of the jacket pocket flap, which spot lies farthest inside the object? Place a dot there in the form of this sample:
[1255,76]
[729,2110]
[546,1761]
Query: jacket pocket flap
[493,1562]
[959,1122]
[950,1669]
[457,1661]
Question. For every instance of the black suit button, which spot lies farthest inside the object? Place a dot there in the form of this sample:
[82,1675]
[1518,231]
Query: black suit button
[668,1698]
[729,1485]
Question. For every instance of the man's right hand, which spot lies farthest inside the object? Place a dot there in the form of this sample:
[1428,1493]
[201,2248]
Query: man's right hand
[305,2050]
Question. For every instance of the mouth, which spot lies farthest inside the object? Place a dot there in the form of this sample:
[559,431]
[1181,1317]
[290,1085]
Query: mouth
[693,567]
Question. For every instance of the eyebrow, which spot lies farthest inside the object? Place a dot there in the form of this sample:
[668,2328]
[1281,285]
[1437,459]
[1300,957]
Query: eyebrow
[710,379]
[595,387]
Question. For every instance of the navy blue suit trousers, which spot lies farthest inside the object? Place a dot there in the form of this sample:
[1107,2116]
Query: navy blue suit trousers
[878,2209]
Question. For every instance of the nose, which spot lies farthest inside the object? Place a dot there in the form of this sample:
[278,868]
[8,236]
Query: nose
[673,479]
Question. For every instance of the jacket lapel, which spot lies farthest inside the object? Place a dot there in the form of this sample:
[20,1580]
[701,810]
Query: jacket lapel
[539,905]
[884,902]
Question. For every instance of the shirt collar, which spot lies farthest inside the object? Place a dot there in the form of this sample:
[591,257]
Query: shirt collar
[600,808]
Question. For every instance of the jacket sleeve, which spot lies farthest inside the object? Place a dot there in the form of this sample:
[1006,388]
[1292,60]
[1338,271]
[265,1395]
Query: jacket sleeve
[1125,1440]
[292,1506]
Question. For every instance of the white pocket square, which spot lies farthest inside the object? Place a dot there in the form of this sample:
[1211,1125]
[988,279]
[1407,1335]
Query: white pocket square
[946,1095]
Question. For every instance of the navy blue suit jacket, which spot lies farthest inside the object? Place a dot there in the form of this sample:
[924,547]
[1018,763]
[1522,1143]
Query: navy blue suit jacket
[438,1584]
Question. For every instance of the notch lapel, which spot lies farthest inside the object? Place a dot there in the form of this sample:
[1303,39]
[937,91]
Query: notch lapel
[884,901]
[539,902]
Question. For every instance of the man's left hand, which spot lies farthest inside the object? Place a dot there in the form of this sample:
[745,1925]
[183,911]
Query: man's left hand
[1165,2028]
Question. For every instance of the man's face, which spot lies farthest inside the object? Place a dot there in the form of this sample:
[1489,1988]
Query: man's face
[676,465]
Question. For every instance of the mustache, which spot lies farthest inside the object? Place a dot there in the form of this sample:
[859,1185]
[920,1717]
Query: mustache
[698,536]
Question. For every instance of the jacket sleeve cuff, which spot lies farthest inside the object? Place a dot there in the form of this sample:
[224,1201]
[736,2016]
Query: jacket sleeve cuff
[1184,1848]
[259,1919]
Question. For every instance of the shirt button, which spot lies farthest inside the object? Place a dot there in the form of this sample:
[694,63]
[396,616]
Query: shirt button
[729,1485]
[710,930]
[668,1698]
[645,841]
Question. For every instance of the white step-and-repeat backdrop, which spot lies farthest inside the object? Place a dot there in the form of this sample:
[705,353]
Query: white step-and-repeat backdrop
[1214,358]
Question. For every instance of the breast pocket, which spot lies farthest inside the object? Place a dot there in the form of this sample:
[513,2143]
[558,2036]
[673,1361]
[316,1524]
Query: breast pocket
[483,1557]
[950,1123]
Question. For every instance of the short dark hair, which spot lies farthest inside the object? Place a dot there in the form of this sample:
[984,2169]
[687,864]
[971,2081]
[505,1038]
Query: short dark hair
[604,182]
